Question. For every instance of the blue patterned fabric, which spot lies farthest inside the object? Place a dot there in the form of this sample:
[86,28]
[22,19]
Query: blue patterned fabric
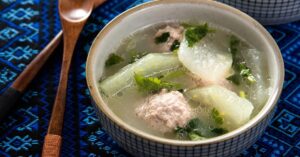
[26,26]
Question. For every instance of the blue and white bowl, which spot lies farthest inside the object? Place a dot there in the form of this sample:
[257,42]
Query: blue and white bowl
[139,143]
[269,12]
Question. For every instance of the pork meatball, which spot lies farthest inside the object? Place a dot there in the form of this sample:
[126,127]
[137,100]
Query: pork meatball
[165,111]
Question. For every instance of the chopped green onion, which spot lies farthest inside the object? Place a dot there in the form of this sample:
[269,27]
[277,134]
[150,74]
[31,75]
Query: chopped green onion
[242,94]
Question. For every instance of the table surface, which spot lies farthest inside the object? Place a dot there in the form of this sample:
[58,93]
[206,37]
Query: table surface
[26,26]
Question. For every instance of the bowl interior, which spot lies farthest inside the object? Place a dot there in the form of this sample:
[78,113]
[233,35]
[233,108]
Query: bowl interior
[191,10]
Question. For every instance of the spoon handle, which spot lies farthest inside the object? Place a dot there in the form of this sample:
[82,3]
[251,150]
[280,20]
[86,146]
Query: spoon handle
[53,138]
[52,145]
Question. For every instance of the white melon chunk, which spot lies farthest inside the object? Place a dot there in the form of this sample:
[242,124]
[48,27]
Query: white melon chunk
[150,65]
[235,110]
[209,59]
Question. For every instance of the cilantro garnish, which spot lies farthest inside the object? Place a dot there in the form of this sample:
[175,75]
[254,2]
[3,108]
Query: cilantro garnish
[216,116]
[162,38]
[191,130]
[245,72]
[219,131]
[218,119]
[175,45]
[153,84]
[235,78]
[194,34]
[113,59]
[241,70]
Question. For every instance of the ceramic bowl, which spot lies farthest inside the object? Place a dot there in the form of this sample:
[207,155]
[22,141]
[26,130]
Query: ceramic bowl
[142,144]
[269,12]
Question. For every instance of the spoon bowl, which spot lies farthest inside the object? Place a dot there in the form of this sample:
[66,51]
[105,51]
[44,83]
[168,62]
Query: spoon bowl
[75,10]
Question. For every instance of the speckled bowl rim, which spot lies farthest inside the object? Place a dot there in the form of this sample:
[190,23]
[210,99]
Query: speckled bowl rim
[271,103]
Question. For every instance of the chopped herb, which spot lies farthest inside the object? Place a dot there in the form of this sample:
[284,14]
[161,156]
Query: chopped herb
[219,131]
[175,45]
[241,72]
[186,25]
[194,136]
[243,94]
[194,124]
[113,59]
[246,73]
[180,90]
[194,34]
[217,117]
[153,84]
[162,38]
[218,120]
[191,130]
[235,78]
[181,132]
[234,44]
[238,64]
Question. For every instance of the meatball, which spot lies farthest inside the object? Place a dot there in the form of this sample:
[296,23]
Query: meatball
[165,111]
[176,33]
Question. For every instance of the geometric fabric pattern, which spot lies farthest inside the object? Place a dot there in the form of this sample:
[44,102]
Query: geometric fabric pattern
[27,26]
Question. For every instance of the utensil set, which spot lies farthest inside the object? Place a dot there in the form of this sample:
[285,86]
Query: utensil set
[73,16]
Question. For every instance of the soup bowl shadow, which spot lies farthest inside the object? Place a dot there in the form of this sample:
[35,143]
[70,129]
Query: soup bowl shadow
[139,143]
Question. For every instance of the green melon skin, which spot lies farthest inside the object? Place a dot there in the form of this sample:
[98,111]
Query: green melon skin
[153,64]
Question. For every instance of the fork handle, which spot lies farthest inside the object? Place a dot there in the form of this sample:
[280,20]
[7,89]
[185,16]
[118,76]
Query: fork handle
[52,145]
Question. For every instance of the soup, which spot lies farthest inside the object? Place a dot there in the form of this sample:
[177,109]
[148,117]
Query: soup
[185,81]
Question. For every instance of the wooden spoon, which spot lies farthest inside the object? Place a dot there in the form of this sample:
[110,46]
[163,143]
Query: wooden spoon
[10,96]
[73,16]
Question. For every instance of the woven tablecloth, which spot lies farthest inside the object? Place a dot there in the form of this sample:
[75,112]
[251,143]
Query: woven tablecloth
[26,26]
